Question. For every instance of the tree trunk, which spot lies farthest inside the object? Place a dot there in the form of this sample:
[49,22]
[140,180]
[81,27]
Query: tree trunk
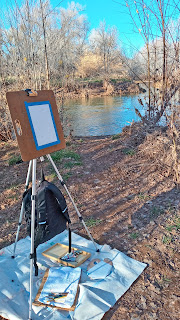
[45,48]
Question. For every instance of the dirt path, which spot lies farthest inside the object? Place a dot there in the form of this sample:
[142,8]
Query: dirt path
[124,187]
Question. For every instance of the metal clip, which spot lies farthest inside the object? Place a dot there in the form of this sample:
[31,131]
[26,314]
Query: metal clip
[31,92]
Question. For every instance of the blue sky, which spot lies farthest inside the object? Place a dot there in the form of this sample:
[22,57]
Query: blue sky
[115,14]
[112,11]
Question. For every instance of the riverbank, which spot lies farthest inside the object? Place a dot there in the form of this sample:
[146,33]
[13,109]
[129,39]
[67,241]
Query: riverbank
[84,90]
[99,89]
[124,186]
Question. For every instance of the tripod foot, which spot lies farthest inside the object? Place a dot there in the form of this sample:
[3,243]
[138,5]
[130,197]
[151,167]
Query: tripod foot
[13,257]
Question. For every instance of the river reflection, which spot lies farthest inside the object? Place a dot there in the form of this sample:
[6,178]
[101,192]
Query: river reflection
[100,115]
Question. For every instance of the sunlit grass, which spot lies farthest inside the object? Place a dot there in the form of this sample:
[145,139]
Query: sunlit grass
[14,159]
[64,154]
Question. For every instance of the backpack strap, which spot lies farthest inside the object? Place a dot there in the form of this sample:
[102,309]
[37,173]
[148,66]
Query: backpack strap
[61,200]
[41,205]
[62,203]
[69,232]
[27,204]
[42,174]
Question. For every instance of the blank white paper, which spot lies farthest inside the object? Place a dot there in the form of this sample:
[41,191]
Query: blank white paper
[43,125]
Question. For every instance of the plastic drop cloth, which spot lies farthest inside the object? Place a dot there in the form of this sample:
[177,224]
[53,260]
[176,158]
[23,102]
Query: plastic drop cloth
[95,296]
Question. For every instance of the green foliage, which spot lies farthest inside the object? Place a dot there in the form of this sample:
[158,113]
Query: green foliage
[64,154]
[90,222]
[134,235]
[156,212]
[71,164]
[91,81]
[169,228]
[124,80]
[13,197]
[177,225]
[68,143]
[66,176]
[52,176]
[166,279]
[96,81]
[14,159]
[116,136]
[174,226]
[129,152]
[114,81]
[143,196]
[14,187]
[10,80]
[167,239]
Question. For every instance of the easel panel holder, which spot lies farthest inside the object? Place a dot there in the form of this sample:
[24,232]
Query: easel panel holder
[34,119]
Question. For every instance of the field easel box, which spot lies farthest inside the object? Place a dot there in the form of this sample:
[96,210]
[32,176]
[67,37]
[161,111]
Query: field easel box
[58,250]
[36,123]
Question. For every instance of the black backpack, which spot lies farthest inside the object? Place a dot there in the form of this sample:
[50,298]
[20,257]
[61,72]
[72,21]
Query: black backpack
[51,214]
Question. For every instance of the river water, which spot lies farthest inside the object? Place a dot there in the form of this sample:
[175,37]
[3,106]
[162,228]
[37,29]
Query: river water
[100,115]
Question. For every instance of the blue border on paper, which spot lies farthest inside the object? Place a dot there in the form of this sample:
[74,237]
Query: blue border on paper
[29,104]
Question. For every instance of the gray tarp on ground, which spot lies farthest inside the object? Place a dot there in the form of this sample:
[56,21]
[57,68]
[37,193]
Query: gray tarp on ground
[95,296]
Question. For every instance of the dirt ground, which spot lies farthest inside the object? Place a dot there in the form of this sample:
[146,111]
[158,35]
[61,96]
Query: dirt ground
[124,187]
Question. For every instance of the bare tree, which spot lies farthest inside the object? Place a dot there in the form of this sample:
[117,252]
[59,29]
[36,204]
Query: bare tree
[72,35]
[45,46]
[152,20]
[1,56]
[104,41]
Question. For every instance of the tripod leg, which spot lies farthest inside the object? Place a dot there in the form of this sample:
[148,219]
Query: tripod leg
[32,234]
[22,208]
[77,211]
